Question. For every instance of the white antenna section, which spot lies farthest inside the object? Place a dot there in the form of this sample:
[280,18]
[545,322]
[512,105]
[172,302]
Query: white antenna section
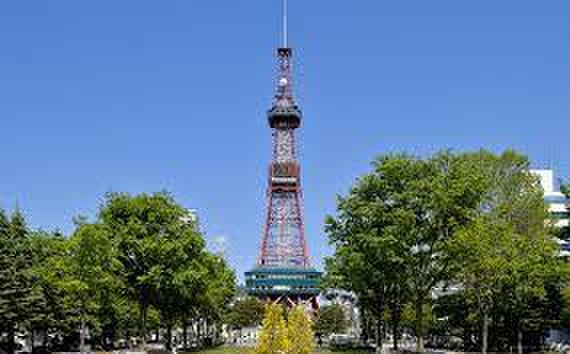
[285,24]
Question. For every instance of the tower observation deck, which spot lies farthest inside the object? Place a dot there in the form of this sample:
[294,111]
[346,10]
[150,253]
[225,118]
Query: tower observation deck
[283,270]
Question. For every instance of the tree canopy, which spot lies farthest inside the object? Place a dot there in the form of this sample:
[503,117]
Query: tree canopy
[330,320]
[245,312]
[415,228]
[142,263]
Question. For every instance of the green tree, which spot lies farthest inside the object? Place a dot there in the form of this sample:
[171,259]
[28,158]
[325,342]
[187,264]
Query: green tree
[202,286]
[457,321]
[565,315]
[92,267]
[247,312]
[447,200]
[392,232]
[533,265]
[367,234]
[142,263]
[181,290]
[198,284]
[505,258]
[155,242]
[300,332]
[565,188]
[273,337]
[564,232]
[521,204]
[50,316]
[484,248]
[331,319]
[220,291]
[16,282]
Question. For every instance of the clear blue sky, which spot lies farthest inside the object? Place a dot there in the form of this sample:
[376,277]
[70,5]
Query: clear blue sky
[137,95]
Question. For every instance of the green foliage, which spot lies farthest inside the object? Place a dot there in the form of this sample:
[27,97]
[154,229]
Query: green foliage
[245,313]
[330,320]
[52,313]
[564,232]
[219,289]
[565,188]
[142,263]
[413,225]
[91,281]
[157,249]
[565,316]
[409,317]
[273,337]
[392,231]
[506,258]
[16,278]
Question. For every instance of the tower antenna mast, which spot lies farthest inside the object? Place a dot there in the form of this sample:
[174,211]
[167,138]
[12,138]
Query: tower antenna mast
[285,24]
[283,272]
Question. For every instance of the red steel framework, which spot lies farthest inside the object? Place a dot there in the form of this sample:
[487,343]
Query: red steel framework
[284,244]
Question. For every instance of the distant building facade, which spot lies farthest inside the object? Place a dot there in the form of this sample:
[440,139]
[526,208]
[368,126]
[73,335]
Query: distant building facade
[557,202]
[557,205]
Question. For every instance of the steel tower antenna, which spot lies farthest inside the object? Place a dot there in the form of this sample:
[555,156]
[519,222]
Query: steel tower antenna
[285,24]
[283,271]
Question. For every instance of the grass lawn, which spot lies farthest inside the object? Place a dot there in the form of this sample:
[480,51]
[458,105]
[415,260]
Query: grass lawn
[240,350]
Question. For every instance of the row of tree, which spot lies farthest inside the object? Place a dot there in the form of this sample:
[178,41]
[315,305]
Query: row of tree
[248,312]
[141,265]
[458,244]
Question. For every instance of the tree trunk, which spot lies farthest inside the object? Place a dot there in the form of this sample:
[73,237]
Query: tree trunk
[380,302]
[192,332]
[378,313]
[185,334]
[206,333]
[368,326]
[379,345]
[82,335]
[419,325]
[520,340]
[395,335]
[169,337]
[11,340]
[45,339]
[485,334]
[32,331]
[396,314]
[144,314]
[198,333]
[128,339]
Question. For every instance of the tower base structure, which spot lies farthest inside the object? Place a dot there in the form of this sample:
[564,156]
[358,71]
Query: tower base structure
[290,286]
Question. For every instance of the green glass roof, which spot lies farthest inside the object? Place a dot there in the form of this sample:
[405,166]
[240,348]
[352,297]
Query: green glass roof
[280,281]
[269,270]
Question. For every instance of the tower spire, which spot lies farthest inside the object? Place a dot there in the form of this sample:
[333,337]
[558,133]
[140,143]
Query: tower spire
[285,24]
[284,96]
[284,272]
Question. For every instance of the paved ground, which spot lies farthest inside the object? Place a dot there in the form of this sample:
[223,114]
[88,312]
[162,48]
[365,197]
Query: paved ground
[242,350]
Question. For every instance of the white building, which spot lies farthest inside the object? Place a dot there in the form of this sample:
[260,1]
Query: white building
[557,205]
[557,202]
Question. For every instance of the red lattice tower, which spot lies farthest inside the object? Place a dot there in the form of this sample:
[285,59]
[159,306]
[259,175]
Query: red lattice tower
[284,244]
